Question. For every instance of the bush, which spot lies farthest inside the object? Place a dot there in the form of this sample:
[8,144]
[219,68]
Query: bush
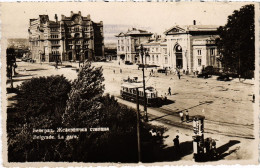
[40,104]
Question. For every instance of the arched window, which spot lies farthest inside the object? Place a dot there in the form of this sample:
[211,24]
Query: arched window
[166,60]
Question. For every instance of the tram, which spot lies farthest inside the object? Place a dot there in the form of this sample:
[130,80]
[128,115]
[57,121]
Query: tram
[128,92]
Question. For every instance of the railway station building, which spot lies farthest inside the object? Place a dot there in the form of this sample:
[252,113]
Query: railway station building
[192,47]
[189,47]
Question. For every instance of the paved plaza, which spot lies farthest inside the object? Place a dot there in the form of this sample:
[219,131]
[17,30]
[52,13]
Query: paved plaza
[227,106]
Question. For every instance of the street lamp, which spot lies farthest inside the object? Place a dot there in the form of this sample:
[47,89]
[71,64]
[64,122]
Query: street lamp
[143,52]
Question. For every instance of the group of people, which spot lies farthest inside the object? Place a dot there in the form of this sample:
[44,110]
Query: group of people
[186,115]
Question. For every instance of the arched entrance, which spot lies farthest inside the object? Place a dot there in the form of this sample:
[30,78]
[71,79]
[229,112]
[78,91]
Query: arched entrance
[70,56]
[178,53]
[122,56]
[77,56]
[86,55]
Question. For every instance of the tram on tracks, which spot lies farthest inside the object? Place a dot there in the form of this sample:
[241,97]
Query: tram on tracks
[128,92]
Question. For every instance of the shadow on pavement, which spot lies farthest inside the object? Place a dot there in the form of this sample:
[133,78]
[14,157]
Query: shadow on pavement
[168,101]
[222,149]
[37,69]
[21,75]
[16,80]
[163,154]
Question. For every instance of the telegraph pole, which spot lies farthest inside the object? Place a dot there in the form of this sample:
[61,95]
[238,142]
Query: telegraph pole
[138,126]
[145,106]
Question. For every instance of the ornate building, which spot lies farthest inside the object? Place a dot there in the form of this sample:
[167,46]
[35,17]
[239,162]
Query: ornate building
[73,38]
[127,43]
[192,47]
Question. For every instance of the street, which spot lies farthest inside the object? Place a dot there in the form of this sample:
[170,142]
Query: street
[227,106]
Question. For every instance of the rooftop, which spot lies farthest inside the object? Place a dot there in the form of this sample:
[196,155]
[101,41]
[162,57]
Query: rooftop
[134,31]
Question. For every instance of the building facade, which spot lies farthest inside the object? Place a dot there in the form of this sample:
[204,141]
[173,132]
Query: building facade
[192,47]
[72,38]
[156,53]
[128,42]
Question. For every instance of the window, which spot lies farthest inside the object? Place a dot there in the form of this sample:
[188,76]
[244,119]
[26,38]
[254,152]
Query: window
[199,52]
[70,47]
[76,29]
[166,60]
[55,42]
[212,51]
[122,48]
[156,49]
[157,58]
[199,62]
[118,42]
[128,49]
[165,50]
[153,58]
[118,48]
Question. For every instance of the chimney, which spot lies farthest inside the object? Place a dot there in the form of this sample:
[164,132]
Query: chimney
[71,13]
[79,13]
[62,17]
[194,22]
[56,18]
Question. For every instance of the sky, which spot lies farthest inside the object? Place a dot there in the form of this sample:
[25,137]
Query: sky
[118,16]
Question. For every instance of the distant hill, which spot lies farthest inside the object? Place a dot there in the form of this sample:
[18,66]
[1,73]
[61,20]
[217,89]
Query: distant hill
[18,43]
[110,45]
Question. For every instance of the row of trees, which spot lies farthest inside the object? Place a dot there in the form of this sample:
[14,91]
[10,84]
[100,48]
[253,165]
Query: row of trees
[236,42]
[51,102]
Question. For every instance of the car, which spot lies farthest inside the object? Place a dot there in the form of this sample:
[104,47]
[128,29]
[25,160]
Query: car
[206,73]
[161,70]
[128,63]
[223,77]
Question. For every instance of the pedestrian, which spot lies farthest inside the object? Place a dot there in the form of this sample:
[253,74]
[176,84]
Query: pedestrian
[179,74]
[169,91]
[176,144]
[56,65]
[181,115]
[114,71]
[187,116]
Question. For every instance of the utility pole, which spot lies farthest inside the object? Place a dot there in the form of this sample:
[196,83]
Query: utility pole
[239,67]
[145,106]
[138,126]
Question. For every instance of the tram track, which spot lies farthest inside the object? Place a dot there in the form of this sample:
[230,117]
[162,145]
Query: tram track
[170,117]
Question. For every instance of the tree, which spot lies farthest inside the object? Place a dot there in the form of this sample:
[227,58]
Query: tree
[40,104]
[236,42]
[88,108]
[11,63]
[85,96]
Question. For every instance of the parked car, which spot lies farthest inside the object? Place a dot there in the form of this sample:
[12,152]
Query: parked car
[206,72]
[161,70]
[128,63]
[223,77]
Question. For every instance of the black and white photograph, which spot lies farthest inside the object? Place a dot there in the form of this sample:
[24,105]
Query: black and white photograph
[130,83]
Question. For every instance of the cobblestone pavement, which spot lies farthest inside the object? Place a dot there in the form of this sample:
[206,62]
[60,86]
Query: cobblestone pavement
[227,106]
